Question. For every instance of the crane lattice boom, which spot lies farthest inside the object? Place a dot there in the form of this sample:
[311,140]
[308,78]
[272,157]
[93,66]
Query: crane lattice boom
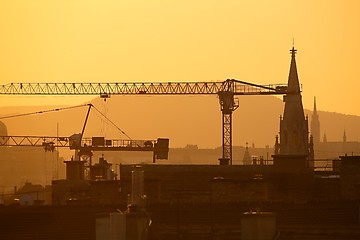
[92,144]
[235,86]
[225,90]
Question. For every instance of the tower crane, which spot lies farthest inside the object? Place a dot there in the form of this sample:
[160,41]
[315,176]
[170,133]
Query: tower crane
[159,147]
[85,146]
[227,92]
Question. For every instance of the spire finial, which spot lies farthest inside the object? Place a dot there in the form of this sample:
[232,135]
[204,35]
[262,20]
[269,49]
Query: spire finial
[293,50]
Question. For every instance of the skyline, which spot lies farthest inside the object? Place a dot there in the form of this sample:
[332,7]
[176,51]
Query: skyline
[199,125]
[87,41]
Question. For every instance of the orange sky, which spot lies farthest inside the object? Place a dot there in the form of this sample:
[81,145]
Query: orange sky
[141,40]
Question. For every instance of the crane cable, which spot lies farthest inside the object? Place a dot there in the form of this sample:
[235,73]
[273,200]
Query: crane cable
[104,116]
[45,111]
[104,125]
[66,108]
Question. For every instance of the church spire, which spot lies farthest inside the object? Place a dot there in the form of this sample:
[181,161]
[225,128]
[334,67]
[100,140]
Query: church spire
[315,124]
[295,148]
[293,80]
[294,138]
[293,102]
[325,138]
[247,156]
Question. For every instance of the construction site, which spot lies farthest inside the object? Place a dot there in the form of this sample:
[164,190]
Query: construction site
[283,196]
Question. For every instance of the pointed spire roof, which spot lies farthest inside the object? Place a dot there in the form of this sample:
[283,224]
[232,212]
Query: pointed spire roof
[293,103]
[315,124]
[315,110]
[294,133]
[247,156]
[325,138]
[293,81]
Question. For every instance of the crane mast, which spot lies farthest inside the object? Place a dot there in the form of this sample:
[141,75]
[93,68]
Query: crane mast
[227,92]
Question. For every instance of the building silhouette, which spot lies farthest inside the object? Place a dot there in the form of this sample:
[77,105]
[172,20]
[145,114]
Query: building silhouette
[326,149]
[294,149]
[315,124]
[294,134]
[247,157]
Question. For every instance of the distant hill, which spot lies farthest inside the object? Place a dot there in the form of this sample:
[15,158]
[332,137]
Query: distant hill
[185,120]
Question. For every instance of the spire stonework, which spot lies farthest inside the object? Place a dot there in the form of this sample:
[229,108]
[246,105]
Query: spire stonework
[295,151]
[294,134]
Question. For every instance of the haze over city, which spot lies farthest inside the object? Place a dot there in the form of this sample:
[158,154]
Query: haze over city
[150,117]
[222,156]
[142,41]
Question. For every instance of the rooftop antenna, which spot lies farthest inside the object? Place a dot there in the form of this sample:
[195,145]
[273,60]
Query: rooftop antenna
[293,42]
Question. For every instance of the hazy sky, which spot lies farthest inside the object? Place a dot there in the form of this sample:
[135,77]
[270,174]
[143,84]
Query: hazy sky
[142,40]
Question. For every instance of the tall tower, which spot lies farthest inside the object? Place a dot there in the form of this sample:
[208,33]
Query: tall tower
[294,134]
[315,124]
[247,157]
[294,152]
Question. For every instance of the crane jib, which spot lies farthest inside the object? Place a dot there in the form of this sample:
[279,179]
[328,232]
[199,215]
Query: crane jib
[161,88]
[226,91]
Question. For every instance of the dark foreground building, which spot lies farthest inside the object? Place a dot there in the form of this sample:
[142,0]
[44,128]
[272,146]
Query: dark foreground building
[208,202]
